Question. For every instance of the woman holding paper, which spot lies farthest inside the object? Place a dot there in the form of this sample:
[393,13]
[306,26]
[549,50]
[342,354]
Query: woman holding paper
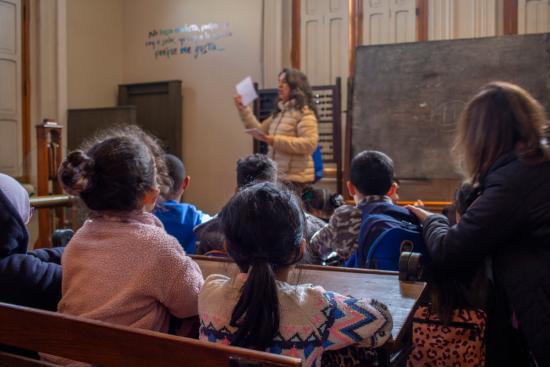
[291,131]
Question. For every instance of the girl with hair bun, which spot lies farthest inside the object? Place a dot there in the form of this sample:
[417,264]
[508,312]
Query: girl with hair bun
[259,309]
[121,266]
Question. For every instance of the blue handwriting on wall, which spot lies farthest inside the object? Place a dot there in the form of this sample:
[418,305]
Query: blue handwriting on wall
[190,39]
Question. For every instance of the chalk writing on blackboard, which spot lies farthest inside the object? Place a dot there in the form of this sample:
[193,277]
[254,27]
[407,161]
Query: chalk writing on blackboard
[189,39]
[447,114]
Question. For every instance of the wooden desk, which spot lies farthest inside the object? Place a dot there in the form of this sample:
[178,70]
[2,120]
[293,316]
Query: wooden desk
[400,297]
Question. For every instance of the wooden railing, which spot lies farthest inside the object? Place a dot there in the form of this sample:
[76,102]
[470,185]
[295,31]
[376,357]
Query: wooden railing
[432,206]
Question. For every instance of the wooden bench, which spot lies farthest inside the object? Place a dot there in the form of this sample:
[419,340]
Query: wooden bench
[401,297]
[104,344]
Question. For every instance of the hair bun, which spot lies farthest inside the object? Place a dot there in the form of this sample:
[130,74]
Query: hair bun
[75,172]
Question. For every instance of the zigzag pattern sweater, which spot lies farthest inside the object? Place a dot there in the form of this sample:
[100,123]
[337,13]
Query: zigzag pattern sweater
[313,320]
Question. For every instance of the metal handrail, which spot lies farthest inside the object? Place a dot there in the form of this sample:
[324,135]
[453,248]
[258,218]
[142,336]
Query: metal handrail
[52,201]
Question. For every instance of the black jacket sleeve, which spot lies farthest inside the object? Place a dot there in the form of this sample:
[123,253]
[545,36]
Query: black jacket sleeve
[488,223]
[50,255]
[28,281]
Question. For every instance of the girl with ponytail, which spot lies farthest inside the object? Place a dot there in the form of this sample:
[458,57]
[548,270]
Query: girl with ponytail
[259,309]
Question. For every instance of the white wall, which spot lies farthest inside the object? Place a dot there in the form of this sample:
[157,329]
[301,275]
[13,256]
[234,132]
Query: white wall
[95,52]
[106,47]
[213,137]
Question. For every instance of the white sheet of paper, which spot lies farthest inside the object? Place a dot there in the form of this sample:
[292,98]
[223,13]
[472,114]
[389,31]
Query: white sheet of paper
[246,90]
[255,133]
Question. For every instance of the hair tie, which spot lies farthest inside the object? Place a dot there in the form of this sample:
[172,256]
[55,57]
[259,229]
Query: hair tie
[260,259]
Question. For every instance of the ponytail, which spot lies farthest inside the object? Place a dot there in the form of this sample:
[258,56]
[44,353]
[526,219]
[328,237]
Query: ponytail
[264,231]
[256,314]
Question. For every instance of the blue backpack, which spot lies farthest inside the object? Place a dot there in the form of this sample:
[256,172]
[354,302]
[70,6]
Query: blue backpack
[318,163]
[382,239]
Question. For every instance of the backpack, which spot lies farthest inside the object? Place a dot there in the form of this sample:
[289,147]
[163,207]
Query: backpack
[461,342]
[382,239]
[317,157]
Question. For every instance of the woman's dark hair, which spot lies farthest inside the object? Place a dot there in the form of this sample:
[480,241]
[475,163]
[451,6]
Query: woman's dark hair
[300,90]
[263,227]
[113,175]
[465,195]
[501,118]
[321,199]
[467,289]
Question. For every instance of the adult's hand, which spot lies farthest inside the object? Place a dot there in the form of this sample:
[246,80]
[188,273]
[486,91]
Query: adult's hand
[238,102]
[421,214]
[266,139]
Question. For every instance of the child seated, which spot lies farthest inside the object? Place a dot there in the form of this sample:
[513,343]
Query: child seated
[178,218]
[372,185]
[33,278]
[320,202]
[259,309]
[121,266]
[253,168]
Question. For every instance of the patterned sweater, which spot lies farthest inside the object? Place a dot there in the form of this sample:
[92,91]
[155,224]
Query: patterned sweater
[312,320]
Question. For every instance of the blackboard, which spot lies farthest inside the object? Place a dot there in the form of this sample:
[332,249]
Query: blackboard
[407,97]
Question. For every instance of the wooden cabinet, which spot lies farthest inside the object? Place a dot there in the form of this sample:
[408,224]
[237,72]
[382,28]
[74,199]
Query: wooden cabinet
[158,110]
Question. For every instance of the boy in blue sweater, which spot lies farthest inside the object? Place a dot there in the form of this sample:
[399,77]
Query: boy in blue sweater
[179,218]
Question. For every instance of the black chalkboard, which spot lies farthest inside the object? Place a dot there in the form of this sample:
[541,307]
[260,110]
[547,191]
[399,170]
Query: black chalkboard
[407,97]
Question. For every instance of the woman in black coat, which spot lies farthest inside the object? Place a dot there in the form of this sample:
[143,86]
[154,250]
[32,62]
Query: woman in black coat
[502,148]
[31,278]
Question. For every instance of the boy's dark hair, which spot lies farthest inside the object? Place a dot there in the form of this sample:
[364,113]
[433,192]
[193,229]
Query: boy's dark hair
[112,175]
[372,172]
[176,171]
[255,167]
[264,229]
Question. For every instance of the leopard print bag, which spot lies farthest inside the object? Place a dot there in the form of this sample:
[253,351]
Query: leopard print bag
[461,342]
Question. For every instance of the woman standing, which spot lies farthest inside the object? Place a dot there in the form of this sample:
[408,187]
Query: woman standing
[291,131]
[504,153]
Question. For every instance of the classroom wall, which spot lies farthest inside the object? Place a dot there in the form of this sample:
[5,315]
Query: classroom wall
[95,52]
[213,137]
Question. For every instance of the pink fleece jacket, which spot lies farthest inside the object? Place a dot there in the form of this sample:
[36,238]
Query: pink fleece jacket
[127,270]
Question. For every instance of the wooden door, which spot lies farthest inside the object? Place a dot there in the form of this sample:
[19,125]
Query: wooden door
[533,16]
[389,21]
[10,88]
[324,40]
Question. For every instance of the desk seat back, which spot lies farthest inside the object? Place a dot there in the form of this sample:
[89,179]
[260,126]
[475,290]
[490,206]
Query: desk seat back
[105,344]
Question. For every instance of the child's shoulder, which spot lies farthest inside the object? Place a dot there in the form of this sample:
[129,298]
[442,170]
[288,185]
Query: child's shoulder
[344,215]
[214,287]
[347,210]
[216,279]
